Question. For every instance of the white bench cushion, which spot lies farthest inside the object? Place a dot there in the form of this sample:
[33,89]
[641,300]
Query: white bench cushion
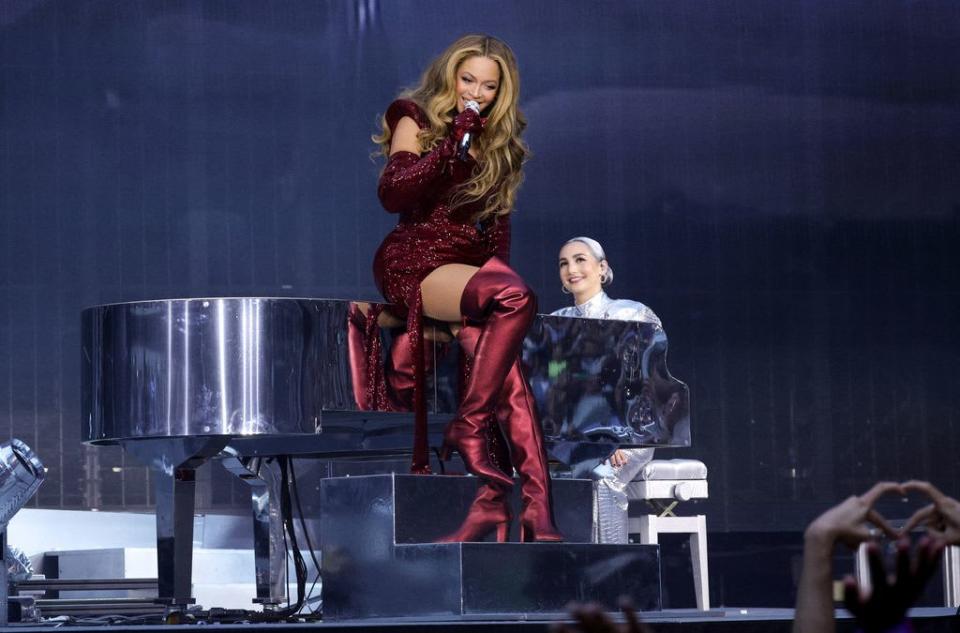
[676,469]
[681,490]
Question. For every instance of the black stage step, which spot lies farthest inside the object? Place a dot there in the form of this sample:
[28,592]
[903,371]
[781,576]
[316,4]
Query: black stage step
[379,559]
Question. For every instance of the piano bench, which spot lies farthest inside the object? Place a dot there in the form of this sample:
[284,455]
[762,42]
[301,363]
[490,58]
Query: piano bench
[663,484]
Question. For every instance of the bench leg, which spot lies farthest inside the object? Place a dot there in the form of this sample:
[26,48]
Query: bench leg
[648,529]
[698,559]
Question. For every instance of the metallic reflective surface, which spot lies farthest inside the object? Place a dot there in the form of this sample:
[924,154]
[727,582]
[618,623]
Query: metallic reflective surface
[282,370]
[610,501]
[379,560]
[396,508]
[606,381]
[279,368]
[224,366]
[173,463]
[262,475]
[601,306]
[21,473]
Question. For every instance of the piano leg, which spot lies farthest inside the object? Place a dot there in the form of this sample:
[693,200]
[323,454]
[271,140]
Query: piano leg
[268,551]
[173,463]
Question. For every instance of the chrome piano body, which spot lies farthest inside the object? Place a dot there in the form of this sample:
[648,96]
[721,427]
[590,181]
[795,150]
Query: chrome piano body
[178,382]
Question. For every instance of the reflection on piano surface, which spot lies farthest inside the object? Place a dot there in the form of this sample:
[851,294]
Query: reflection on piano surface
[605,381]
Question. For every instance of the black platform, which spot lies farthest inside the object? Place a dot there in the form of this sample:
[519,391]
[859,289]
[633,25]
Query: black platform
[379,559]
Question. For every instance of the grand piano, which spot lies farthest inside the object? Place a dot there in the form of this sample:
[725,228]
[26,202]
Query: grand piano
[241,380]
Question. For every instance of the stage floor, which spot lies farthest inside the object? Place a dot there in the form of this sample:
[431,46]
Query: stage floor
[724,620]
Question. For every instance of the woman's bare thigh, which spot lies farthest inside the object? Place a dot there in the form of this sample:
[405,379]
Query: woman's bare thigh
[442,290]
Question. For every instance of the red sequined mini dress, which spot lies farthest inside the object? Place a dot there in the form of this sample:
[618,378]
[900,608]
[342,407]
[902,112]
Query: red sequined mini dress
[429,233]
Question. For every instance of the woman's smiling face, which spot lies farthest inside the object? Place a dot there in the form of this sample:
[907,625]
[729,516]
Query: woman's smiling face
[581,272]
[478,79]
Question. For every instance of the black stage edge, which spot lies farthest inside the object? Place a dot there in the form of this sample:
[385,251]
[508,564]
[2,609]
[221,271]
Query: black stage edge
[925,620]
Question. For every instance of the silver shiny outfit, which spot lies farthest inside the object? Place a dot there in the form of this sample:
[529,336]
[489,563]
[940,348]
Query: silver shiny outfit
[610,498]
[600,306]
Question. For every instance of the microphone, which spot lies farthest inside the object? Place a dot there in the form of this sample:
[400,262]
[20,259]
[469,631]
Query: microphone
[465,141]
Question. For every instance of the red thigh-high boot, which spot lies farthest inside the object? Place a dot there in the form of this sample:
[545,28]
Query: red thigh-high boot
[490,509]
[399,372]
[497,297]
[517,418]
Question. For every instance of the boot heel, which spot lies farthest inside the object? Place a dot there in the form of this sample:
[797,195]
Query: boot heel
[444,453]
[489,514]
[475,455]
[547,534]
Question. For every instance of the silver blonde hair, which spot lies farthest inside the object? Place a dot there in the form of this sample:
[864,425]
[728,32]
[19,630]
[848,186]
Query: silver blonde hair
[597,251]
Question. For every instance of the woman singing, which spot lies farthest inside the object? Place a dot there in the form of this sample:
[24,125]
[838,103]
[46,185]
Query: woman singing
[583,272]
[454,158]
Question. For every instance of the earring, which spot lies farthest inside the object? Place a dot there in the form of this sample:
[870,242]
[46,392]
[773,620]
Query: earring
[564,289]
[604,280]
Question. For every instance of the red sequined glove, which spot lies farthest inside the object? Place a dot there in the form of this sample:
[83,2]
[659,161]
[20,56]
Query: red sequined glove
[407,178]
[466,121]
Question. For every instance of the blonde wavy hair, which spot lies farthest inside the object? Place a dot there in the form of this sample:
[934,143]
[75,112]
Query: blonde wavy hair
[500,150]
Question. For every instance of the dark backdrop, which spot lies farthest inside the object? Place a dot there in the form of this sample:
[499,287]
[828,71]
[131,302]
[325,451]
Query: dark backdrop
[777,180]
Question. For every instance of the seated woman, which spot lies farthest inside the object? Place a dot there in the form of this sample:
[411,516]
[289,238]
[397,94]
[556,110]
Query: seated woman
[583,272]
[454,152]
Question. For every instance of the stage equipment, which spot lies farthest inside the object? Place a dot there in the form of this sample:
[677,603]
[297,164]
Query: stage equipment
[663,484]
[177,382]
[21,473]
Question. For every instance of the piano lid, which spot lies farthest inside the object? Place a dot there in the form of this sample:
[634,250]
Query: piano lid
[311,372]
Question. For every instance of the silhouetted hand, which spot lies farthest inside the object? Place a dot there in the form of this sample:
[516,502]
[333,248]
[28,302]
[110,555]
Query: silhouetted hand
[890,596]
[846,522]
[941,518]
[591,618]
[465,122]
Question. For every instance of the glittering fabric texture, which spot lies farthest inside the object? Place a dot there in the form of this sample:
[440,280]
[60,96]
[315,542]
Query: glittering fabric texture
[366,358]
[610,496]
[428,235]
[600,306]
